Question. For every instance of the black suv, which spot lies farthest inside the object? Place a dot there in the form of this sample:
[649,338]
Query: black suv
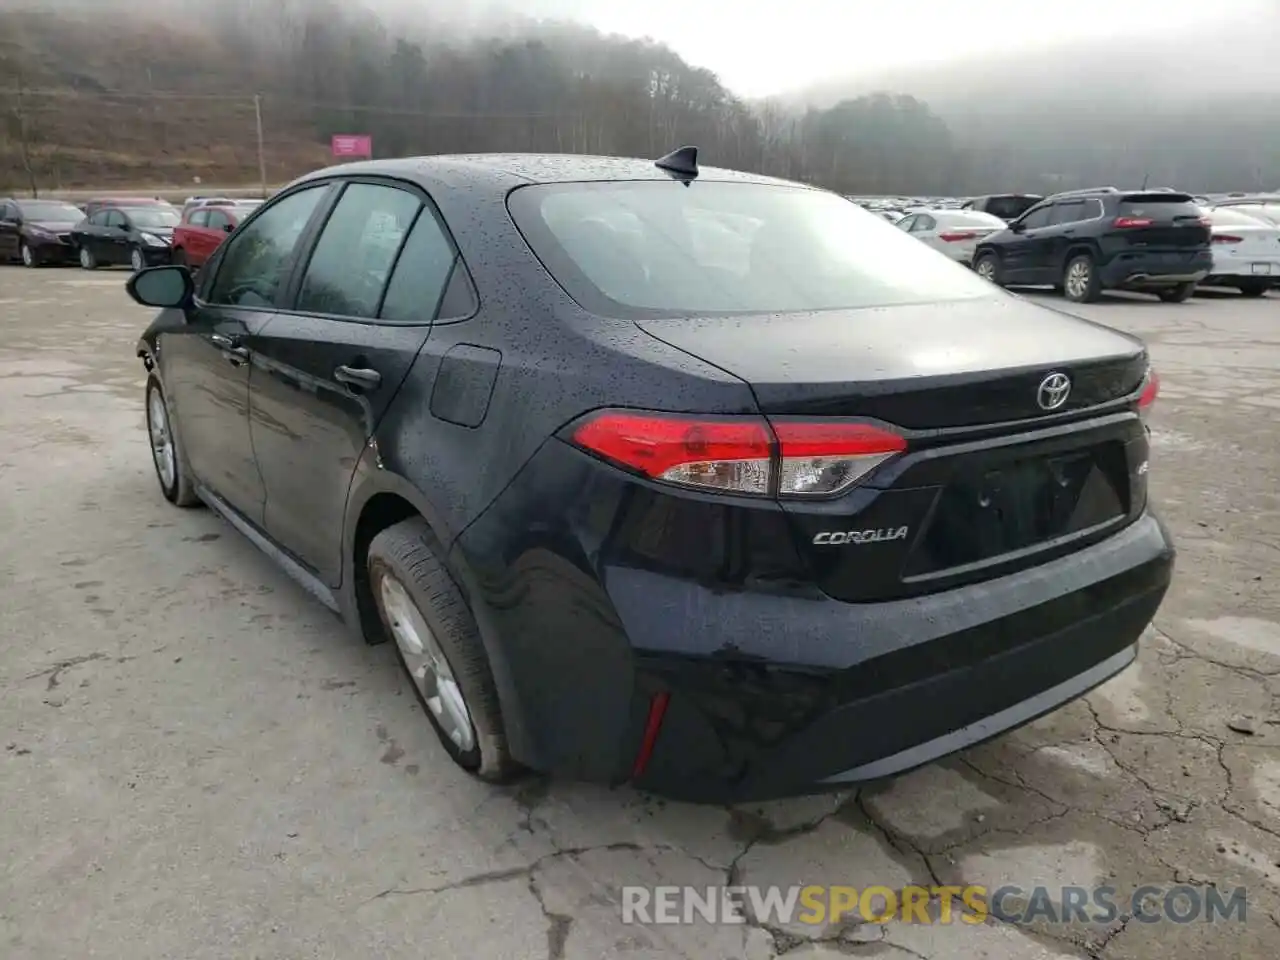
[1086,241]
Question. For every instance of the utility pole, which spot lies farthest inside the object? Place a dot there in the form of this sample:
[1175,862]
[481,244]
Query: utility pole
[262,158]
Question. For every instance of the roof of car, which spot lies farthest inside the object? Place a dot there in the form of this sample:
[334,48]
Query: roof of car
[502,171]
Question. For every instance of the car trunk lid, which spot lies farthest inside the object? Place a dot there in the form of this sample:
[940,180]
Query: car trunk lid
[991,481]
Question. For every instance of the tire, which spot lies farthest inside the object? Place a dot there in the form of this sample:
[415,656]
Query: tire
[1179,294]
[415,593]
[137,259]
[87,260]
[1080,282]
[30,258]
[987,266]
[180,258]
[176,482]
[1254,289]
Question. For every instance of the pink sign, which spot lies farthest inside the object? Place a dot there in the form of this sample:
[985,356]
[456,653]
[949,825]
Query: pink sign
[352,145]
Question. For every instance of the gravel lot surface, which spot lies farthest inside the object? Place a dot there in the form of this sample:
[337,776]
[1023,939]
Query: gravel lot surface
[196,762]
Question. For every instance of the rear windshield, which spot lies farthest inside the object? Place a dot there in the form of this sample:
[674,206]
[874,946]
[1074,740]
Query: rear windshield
[1226,217]
[971,218]
[661,248]
[50,211]
[1162,207]
[152,216]
[1269,213]
[1008,208]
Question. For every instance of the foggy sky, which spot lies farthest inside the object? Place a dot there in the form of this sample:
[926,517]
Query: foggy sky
[766,47]
[762,48]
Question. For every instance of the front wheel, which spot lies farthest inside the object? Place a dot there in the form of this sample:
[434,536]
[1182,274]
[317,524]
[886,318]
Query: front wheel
[136,260]
[1179,294]
[1080,280]
[440,648]
[87,260]
[166,452]
[987,266]
[29,257]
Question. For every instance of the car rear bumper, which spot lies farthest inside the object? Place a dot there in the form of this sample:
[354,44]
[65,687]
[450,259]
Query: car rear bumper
[1156,269]
[778,693]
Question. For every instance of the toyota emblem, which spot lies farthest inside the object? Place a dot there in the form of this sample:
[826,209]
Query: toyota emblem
[1053,391]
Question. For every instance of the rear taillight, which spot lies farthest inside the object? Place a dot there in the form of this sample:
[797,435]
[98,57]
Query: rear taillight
[1130,222]
[743,455]
[956,237]
[818,458]
[1150,390]
[1226,238]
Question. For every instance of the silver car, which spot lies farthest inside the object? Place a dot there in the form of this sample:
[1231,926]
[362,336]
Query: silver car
[953,232]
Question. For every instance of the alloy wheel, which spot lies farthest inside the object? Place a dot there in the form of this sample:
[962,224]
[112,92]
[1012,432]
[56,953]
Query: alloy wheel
[986,269]
[1077,279]
[86,258]
[28,257]
[136,260]
[162,451]
[426,663]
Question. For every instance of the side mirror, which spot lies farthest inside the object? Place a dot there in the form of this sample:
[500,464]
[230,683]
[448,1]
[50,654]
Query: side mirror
[166,286]
[228,228]
[1017,226]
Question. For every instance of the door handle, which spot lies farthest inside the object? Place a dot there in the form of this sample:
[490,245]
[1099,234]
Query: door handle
[363,378]
[230,347]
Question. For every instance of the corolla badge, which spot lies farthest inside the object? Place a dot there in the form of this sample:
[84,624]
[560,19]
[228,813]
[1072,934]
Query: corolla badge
[835,538]
[1053,391]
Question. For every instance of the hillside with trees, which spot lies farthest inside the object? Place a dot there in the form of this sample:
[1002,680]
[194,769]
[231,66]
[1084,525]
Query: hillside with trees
[111,93]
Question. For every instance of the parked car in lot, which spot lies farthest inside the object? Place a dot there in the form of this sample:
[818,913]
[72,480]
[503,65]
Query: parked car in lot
[1007,206]
[203,228]
[1246,251]
[737,527]
[1087,241]
[137,236]
[36,232]
[953,232]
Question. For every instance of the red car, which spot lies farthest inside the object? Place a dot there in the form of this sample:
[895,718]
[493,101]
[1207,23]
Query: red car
[203,228]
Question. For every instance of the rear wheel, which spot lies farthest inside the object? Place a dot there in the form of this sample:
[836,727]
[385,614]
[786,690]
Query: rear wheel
[439,647]
[166,452]
[987,266]
[1179,294]
[87,260]
[1254,289]
[1080,280]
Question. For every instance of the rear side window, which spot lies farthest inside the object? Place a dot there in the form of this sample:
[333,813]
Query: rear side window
[421,274]
[1037,218]
[259,258]
[1067,211]
[923,224]
[663,248]
[354,255]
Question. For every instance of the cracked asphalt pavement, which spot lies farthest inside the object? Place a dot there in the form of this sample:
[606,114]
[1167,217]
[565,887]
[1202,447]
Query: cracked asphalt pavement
[196,762]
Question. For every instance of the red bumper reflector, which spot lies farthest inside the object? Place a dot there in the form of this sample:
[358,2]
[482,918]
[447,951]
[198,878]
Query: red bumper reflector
[653,724]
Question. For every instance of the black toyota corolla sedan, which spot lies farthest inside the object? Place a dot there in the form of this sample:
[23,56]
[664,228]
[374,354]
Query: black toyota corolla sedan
[656,473]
